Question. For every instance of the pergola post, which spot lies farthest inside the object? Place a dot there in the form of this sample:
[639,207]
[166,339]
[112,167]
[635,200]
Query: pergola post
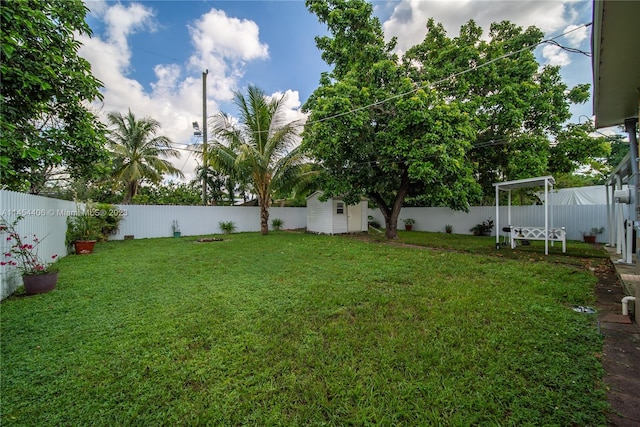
[546,216]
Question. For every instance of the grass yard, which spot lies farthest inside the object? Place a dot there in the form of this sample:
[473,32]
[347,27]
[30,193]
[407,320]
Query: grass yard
[296,329]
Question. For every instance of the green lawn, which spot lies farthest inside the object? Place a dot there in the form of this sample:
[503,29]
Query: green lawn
[297,329]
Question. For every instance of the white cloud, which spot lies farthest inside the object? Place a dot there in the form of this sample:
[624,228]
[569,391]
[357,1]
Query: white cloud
[221,43]
[217,34]
[291,105]
[576,34]
[123,21]
[409,17]
[555,55]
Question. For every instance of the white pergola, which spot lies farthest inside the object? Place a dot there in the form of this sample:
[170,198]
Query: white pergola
[539,233]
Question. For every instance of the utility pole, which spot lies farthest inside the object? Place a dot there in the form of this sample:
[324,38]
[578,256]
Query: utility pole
[204,137]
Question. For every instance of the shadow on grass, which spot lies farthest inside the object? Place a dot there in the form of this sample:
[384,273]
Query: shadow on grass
[578,253]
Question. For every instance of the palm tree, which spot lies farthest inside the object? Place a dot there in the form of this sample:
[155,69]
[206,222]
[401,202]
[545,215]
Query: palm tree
[260,147]
[138,153]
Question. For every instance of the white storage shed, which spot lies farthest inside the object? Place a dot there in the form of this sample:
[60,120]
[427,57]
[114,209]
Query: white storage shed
[334,216]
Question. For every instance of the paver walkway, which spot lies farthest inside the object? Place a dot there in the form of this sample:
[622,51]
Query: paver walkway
[621,352]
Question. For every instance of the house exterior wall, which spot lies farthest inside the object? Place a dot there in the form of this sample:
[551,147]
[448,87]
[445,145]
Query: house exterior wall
[319,215]
[340,221]
[357,221]
[323,217]
[365,215]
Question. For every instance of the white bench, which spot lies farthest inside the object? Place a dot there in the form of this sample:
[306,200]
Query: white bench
[556,234]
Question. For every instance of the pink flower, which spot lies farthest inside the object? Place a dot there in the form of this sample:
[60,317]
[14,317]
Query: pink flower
[23,255]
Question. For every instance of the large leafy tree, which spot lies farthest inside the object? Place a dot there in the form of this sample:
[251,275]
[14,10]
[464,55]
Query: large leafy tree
[575,147]
[44,123]
[261,147]
[518,107]
[139,154]
[378,133]
[171,193]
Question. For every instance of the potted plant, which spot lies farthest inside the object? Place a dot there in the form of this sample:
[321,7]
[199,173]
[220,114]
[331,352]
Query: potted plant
[175,228]
[38,276]
[483,229]
[84,229]
[591,236]
[408,223]
[448,228]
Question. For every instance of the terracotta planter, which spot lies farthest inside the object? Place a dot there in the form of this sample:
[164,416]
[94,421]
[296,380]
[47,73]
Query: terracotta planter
[84,247]
[589,239]
[408,227]
[40,283]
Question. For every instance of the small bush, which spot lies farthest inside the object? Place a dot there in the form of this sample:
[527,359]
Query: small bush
[227,227]
[277,223]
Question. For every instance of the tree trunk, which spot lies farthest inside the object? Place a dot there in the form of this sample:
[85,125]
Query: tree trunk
[264,219]
[391,213]
[132,190]
[264,201]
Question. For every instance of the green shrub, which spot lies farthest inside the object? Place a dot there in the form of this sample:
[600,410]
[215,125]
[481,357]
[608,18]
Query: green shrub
[277,223]
[227,227]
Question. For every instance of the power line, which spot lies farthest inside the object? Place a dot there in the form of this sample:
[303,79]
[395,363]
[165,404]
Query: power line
[453,76]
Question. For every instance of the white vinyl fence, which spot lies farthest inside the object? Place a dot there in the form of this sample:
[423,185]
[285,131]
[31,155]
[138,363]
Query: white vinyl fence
[46,217]
[143,221]
[575,218]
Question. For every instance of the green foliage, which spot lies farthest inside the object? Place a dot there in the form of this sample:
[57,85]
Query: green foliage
[171,193]
[84,224]
[619,149]
[377,129]
[575,147]
[321,331]
[44,122]
[261,149]
[484,228]
[515,104]
[277,223]
[227,227]
[594,231]
[109,217]
[139,155]
[222,188]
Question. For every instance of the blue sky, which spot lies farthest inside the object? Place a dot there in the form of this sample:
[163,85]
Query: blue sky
[150,54]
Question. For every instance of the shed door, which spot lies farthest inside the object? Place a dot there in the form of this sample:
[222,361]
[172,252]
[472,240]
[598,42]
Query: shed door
[354,218]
